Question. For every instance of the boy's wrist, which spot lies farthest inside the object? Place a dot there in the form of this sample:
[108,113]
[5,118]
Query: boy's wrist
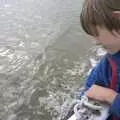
[111,96]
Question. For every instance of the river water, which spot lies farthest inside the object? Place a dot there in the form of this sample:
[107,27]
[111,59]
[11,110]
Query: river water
[42,49]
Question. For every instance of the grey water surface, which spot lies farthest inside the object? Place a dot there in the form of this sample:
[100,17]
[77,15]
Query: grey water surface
[41,49]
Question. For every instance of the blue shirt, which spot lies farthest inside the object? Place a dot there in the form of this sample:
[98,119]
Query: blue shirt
[101,75]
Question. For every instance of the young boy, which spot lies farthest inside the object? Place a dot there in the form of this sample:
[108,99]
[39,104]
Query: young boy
[101,20]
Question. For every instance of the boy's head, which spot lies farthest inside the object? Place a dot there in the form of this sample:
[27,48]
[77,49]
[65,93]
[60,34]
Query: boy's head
[101,19]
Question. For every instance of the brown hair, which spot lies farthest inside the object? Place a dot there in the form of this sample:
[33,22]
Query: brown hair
[99,13]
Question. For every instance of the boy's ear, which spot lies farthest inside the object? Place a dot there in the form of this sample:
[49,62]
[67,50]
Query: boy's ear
[116,14]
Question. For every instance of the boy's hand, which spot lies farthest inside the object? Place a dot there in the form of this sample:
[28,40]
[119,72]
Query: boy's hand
[101,93]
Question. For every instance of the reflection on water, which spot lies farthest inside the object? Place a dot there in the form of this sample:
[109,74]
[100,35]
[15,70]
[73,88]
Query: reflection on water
[40,43]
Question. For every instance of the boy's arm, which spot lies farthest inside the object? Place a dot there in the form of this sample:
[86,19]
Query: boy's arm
[106,95]
[95,76]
